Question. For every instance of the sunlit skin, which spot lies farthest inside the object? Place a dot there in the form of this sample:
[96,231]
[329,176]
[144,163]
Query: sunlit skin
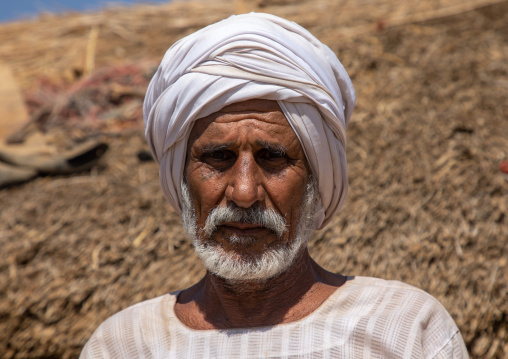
[247,157]
[248,154]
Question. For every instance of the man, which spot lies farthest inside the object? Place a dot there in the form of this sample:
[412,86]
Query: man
[247,120]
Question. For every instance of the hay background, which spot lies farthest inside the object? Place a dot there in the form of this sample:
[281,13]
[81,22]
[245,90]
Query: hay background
[427,202]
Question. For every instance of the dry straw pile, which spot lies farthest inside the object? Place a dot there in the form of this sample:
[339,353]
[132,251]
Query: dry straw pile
[427,204]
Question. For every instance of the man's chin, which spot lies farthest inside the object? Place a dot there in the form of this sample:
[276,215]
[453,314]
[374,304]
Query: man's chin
[242,265]
[238,249]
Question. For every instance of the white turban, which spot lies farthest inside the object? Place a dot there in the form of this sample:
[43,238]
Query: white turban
[253,56]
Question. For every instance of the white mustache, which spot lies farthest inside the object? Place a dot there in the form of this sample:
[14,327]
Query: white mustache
[255,215]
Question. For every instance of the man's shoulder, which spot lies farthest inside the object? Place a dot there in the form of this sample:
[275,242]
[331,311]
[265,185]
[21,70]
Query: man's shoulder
[145,321]
[399,311]
[392,297]
[146,310]
[381,283]
[386,289]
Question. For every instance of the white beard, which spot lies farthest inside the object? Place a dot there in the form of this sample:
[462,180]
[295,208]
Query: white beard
[270,263]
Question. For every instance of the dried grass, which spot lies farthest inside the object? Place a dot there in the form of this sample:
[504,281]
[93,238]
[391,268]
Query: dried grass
[427,203]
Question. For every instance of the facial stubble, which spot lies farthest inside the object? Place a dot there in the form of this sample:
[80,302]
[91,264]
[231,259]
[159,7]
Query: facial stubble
[235,266]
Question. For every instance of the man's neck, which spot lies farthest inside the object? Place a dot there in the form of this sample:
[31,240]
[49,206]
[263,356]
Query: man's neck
[216,303]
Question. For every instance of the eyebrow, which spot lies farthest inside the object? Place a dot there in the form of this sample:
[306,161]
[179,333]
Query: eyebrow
[272,147]
[215,147]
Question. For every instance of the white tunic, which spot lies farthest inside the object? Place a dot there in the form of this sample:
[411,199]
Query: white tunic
[365,318]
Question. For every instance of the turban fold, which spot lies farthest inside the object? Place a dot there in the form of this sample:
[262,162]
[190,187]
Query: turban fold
[253,56]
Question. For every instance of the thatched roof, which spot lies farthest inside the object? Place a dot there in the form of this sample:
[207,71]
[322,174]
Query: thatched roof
[427,205]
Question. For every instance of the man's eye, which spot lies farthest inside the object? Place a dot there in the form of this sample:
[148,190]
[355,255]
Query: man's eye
[217,157]
[272,155]
[272,159]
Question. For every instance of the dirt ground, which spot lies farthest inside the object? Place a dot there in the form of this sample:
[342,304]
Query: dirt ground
[427,203]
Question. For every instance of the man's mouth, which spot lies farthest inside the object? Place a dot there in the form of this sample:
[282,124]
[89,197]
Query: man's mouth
[244,229]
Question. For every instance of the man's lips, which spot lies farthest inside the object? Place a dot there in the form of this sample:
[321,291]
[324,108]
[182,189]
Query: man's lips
[244,228]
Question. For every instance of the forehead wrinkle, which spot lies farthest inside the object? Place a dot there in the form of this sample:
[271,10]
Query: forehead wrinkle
[253,105]
[273,117]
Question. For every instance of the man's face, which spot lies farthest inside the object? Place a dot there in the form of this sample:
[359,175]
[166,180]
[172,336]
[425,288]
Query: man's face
[246,156]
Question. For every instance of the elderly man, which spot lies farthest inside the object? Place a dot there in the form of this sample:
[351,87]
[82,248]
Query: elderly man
[247,120]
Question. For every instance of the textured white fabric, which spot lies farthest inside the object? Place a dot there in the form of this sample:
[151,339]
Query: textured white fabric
[365,318]
[253,56]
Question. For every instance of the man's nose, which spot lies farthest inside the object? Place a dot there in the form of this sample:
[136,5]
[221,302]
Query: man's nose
[245,185]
